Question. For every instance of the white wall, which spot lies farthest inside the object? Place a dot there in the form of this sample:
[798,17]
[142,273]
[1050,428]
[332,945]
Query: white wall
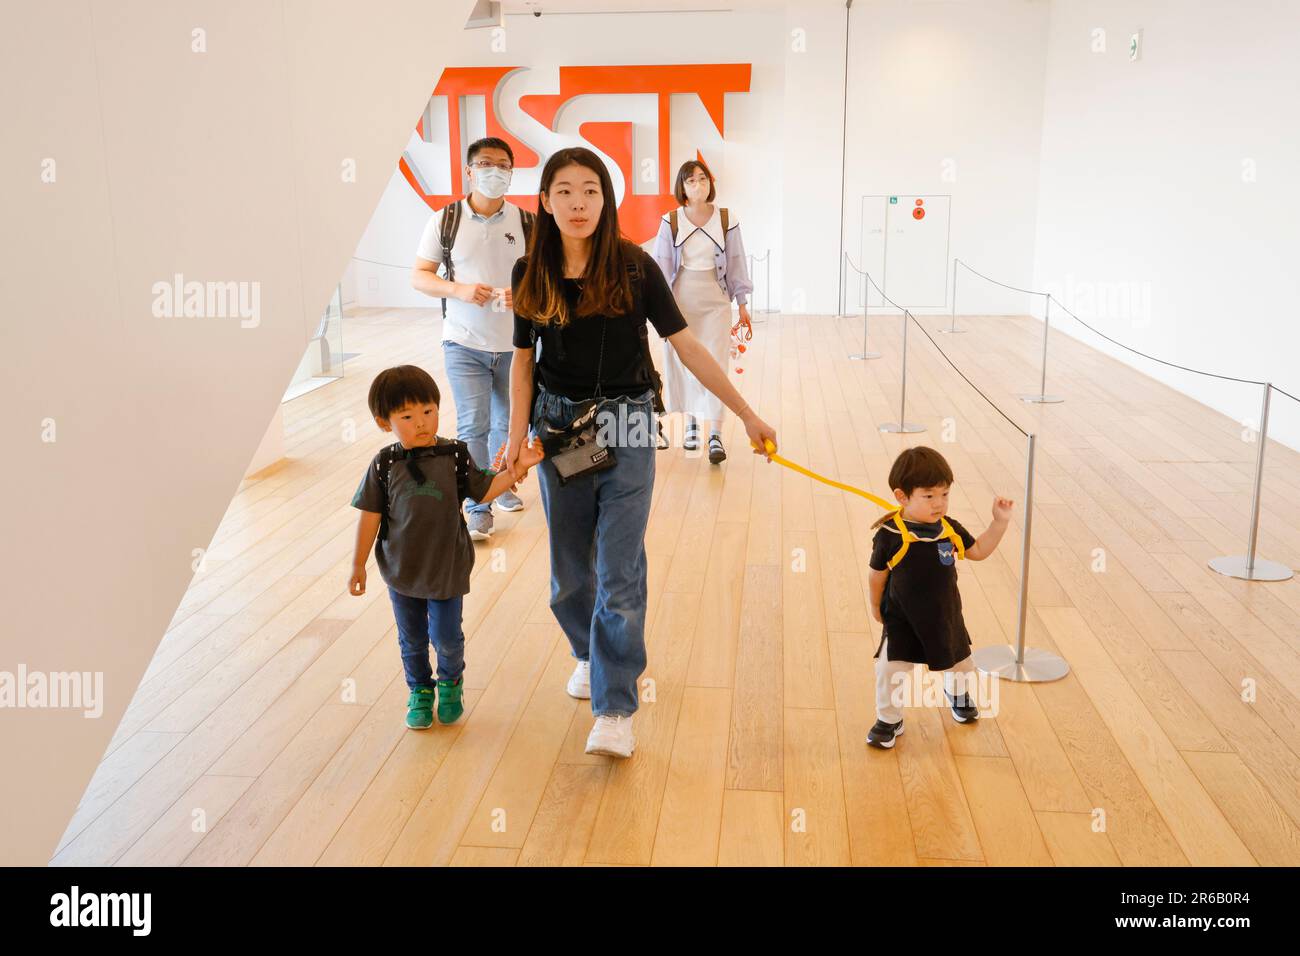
[1149,219]
[126,432]
[928,82]
[947,98]
[743,165]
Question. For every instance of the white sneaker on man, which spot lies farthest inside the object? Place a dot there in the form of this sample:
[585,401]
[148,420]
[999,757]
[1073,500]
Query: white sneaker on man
[611,735]
[579,685]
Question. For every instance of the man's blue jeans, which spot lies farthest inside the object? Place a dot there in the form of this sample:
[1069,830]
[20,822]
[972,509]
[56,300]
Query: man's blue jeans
[421,622]
[597,527]
[480,387]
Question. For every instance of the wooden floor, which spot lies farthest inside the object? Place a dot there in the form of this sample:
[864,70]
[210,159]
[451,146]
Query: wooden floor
[269,727]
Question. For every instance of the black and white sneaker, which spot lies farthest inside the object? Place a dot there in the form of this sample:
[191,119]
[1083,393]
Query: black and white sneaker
[662,442]
[963,708]
[717,455]
[691,442]
[882,734]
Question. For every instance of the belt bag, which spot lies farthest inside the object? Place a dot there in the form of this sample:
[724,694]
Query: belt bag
[577,450]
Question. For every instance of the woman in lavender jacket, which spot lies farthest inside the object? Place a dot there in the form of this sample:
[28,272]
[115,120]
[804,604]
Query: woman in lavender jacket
[706,268]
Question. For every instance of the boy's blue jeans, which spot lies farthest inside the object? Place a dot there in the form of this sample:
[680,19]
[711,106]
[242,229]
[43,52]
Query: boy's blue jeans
[597,527]
[425,621]
[480,386]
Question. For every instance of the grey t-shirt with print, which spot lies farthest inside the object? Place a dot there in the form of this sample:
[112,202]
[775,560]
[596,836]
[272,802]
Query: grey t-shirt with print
[428,552]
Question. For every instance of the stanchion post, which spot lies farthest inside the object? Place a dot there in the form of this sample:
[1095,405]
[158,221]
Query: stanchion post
[1251,568]
[1042,398]
[1020,663]
[903,426]
[954,330]
[767,278]
[866,352]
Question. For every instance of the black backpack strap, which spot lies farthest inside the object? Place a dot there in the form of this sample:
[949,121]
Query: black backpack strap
[462,470]
[526,221]
[447,236]
[383,465]
[637,279]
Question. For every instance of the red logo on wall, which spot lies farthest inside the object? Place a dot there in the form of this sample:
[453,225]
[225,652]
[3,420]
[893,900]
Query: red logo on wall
[638,214]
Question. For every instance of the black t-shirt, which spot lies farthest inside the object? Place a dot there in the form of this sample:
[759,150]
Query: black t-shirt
[921,604]
[570,355]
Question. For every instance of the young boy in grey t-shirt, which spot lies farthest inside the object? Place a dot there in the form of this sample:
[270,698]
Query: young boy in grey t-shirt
[410,499]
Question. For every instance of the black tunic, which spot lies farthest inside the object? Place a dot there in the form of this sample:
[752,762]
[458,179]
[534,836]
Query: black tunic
[921,605]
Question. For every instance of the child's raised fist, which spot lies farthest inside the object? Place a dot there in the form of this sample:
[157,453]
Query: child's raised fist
[1002,508]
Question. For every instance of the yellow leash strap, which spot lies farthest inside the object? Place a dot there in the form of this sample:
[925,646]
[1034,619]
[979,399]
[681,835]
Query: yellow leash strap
[771,453]
[906,533]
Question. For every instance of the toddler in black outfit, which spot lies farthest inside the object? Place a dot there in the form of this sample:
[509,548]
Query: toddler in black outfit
[914,589]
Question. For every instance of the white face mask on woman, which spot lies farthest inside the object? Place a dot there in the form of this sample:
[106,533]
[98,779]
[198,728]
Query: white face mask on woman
[492,182]
[697,191]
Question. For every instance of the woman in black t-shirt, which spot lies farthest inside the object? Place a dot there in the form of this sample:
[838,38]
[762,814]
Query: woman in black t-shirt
[584,293]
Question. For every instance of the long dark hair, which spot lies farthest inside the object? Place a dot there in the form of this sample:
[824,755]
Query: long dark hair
[605,287]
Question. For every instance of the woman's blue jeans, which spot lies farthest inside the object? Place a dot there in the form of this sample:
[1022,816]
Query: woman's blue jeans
[597,527]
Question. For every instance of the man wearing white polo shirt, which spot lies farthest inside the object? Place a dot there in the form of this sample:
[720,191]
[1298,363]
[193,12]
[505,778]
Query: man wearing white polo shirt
[477,240]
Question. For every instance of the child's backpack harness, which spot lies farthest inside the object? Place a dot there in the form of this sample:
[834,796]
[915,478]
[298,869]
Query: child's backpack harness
[910,536]
[395,452]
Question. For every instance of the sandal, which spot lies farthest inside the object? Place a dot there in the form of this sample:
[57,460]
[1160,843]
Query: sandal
[717,454]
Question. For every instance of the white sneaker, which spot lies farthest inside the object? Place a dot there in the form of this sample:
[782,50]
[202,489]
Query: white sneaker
[611,736]
[579,684]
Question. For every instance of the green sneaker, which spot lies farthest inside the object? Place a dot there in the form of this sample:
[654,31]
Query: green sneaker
[419,708]
[449,706]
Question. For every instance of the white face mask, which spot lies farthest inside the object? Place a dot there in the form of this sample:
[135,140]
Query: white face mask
[492,182]
[697,191]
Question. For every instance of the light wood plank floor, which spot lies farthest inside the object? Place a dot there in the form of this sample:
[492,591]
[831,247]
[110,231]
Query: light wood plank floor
[269,727]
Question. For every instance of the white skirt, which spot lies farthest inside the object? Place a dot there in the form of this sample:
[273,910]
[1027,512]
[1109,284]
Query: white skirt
[707,311]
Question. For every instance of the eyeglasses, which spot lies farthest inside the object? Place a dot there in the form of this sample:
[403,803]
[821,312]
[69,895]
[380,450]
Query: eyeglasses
[484,164]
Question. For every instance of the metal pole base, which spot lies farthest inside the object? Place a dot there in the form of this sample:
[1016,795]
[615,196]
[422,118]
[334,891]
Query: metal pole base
[1235,567]
[1041,399]
[864,355]
[953,331]
[1038,665]
[905,428]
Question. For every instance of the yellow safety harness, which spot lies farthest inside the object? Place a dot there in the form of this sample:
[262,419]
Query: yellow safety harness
[907,533]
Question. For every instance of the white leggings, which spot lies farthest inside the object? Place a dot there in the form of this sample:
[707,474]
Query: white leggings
[891,692]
